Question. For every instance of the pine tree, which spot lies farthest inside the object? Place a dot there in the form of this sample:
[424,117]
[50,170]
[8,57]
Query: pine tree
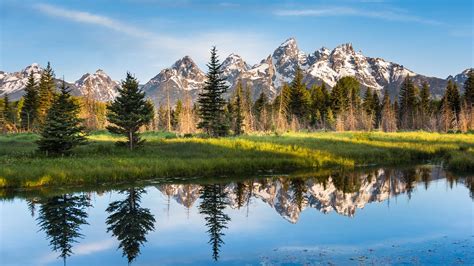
[454,99]
[330,120]
[62,129]
[281,104]
[29,112]
[425,104]
[446,115]
[129,111]
[408,102]
[388,119]
[339,94]
[176,114]
[469,89]
[300,99]
[238,112]
[46,93]
[318,105]
[247,109]
[7,110]
[369,102]
[377,108]
[260,109]
[211,101]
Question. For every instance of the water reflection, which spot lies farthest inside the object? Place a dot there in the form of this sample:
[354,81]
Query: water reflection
[212,208]
[129,222]
[61,217]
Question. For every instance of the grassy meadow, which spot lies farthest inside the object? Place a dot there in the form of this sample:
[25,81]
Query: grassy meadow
[165,156]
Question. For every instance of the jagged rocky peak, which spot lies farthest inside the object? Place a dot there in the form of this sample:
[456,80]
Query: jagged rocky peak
[186,67]
[234,61]
[461,77]
[286,50]
[97,85]
[345,48]
[33,68]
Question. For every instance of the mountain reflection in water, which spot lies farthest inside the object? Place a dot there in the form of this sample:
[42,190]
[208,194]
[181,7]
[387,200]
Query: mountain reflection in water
[62,216]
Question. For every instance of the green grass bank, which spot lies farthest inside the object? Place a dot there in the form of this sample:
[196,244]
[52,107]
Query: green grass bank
[164,156]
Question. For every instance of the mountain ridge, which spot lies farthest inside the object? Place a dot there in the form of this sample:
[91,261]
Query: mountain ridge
[184,77]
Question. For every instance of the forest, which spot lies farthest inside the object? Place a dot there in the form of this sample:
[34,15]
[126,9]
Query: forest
[45,133]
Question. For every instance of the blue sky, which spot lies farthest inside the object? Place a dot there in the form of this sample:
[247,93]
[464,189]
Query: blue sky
[433,38]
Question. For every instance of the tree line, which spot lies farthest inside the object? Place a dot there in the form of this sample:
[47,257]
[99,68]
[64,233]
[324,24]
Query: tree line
[63,120]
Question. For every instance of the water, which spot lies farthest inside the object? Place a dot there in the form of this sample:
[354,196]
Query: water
[381,216]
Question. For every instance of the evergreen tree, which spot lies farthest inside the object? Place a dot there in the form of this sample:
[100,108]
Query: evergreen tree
[319,100]
[300,99]
[388,118]
[424,104]
[29,111]
[130,223]
[61,217]
[330,120]
[453,97]
[177,113]
[211,101]
[62,129]
[377,108]
[469,89]
[129,111]
[260,109]
[281,104]
[7,110]
[339,95]
[369,102]
[239,118]
[213,203]
[407,105]
[46,92]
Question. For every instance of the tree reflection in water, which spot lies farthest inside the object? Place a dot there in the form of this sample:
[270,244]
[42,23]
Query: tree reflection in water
[129,222]
[212,207]
[61,218]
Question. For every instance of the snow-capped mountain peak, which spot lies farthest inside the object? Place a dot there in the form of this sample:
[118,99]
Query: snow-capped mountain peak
[97,85]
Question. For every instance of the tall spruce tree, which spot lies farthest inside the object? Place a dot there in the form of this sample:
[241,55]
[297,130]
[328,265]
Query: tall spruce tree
[300,98]
[29,112]
[238,111]
[7,109]
[62,129]
[469,89]
[129,111]
[211,101]
[377,108]
[453,97]
[425,103]
[369,102]
[339,95]
[407,104]
[46,92]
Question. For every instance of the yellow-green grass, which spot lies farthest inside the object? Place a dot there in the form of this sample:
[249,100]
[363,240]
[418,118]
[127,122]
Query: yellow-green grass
[165,156]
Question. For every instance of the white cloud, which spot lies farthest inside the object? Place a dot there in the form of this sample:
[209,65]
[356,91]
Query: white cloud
[349,11]
[86,17]
[80,250]
[161,50]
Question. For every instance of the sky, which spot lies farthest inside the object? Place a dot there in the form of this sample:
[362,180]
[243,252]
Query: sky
[433,38]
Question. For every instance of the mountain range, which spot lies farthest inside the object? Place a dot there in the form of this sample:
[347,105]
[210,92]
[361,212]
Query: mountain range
[325,197]
[184,77]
